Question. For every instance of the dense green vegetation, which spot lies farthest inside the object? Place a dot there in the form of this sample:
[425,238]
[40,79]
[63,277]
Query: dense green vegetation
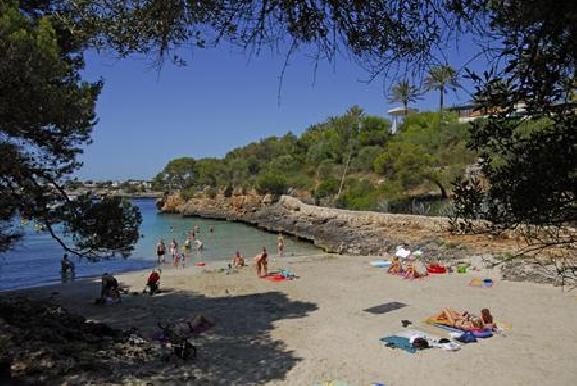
[354,150]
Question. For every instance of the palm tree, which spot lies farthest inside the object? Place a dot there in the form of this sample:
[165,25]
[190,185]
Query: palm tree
[440,78]
[405,93]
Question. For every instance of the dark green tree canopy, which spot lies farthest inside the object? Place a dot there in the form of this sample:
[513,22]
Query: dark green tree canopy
[46,117]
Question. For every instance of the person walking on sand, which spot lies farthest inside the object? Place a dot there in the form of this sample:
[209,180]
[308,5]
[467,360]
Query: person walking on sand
[160,252]
[280,245]
[261,263]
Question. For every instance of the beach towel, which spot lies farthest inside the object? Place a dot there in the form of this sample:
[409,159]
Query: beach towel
[275,277]
[200,264]
[478,333]
[481,283]
[380,263]
[399,342]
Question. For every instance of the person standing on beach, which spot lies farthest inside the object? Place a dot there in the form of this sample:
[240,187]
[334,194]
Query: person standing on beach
[173,248]
[186,247]
[211,229]
[160,252]
[199,246]
[176,259]
[280,245]
[261,263]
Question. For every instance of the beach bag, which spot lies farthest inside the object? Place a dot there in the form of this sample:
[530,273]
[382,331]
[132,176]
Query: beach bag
[467,337]
[420,343]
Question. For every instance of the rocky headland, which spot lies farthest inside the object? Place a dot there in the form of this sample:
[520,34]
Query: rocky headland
[334,230]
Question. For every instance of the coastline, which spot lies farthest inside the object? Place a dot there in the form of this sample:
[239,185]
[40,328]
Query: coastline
[318,327]
[220,263]
[361,233]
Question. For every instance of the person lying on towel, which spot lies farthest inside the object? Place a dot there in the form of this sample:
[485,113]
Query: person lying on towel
[465,320]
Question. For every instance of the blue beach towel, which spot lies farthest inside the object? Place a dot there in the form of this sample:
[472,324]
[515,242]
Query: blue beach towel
[399,342]
[448,328]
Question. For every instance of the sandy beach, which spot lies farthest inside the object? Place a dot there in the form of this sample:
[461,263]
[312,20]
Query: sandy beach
[317,328]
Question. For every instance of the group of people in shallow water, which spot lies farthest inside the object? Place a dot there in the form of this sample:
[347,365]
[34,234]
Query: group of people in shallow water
[179,256]
[110,289]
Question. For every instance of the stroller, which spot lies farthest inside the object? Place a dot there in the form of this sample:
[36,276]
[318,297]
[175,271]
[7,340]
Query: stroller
[179,335]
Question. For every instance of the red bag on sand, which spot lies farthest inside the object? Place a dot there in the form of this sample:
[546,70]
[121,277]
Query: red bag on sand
[200,264]
[275,277]
[436,269]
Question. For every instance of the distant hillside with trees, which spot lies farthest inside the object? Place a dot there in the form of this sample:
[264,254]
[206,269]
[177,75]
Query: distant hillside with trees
[349,161]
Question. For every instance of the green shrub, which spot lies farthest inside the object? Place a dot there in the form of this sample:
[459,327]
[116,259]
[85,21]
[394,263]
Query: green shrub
[272,183]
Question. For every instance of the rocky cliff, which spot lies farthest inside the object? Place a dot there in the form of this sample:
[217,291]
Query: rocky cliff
[334,230]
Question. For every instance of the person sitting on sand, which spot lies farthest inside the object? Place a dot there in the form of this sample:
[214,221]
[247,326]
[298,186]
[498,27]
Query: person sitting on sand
[487,319]
[396,268]
[109,286]
[410,271]
[237,260]
[261,263]
[152,282]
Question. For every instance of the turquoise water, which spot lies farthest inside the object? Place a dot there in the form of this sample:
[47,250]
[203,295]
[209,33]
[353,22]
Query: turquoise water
[36,260]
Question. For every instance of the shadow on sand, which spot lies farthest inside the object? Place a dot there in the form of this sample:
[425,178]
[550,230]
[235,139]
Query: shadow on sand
[238,350]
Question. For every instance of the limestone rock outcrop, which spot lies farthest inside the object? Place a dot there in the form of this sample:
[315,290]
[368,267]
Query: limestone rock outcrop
[334,230]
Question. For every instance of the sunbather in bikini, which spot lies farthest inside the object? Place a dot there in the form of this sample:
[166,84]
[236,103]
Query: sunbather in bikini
[410,271]
[464,321]
[395,267]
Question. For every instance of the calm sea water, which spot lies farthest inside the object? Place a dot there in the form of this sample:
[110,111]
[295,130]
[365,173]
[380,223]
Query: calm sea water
[36,260]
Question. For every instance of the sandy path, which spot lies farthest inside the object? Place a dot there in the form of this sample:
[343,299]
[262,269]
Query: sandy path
[315,328]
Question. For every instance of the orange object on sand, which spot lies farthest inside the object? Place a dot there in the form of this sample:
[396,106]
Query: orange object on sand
[200,264]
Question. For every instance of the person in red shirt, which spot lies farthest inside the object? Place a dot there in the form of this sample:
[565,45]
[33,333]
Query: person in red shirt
[153,282]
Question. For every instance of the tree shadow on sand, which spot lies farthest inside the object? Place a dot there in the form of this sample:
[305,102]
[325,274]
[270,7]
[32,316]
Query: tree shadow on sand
[238,350]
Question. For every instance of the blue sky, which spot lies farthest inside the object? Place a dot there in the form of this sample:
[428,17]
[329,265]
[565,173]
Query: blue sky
[222,99]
